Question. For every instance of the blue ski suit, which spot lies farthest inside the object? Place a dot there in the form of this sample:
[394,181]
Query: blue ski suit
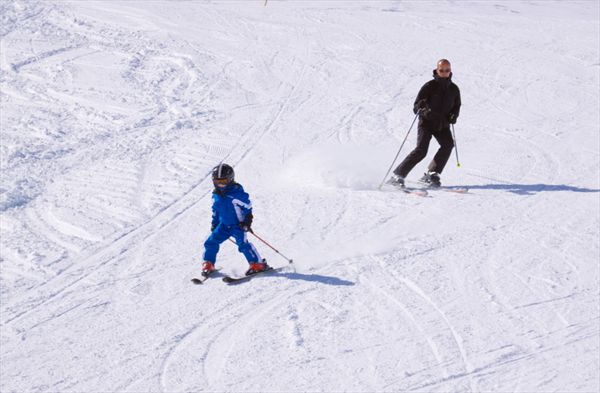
[229,209]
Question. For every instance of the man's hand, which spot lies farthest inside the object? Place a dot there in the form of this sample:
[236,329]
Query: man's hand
[423,108]
[452,118]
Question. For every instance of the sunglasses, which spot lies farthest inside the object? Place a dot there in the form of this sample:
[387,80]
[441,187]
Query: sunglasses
[444,70]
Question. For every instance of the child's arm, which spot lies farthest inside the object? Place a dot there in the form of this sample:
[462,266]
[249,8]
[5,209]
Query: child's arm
[243,208]
[215,218]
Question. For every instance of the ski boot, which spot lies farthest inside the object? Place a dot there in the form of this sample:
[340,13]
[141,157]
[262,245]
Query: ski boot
[207,268]
[396,181]
[257,267]
[432,179]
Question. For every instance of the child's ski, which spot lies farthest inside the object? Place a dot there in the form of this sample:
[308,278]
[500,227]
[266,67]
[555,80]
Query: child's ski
[199,281]
[236,280]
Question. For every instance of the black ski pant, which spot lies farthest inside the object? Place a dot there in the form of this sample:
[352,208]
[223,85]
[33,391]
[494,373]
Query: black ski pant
[444,138]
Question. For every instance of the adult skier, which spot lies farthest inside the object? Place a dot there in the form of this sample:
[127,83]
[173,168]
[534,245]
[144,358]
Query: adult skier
[438,106]
[231,217]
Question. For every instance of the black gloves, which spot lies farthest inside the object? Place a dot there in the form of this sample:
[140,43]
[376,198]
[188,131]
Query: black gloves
[212,227]
[422,107]
[246,225]
[452,118]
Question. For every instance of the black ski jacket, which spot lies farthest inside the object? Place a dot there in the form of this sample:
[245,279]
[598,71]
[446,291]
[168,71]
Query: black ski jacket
[443,98]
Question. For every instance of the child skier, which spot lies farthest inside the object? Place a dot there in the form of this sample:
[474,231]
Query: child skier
[231,216]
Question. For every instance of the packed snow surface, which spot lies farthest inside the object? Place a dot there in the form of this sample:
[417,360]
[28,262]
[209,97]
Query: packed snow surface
[114,112]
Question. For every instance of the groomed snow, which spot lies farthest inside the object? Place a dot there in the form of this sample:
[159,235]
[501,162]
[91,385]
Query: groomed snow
[114,112]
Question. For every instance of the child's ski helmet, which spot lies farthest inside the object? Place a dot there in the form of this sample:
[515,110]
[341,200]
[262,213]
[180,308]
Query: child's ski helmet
[222,175]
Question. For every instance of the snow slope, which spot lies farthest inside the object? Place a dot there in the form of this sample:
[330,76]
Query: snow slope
[113,113]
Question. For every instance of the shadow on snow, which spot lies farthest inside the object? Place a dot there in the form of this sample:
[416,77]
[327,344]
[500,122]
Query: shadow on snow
[527,189]
[329,280]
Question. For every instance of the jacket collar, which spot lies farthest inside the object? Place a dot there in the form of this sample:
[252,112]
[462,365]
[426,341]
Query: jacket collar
[226,190]
[443,81]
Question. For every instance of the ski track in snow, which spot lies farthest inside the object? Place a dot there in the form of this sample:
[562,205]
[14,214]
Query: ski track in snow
[457,339]
[114,114]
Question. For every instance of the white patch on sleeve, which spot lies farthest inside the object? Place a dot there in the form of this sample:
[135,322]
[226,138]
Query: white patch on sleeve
[237,204]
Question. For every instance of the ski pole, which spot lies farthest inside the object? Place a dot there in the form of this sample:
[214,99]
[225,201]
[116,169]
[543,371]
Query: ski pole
[273,248]
[397,154]
[455,146]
